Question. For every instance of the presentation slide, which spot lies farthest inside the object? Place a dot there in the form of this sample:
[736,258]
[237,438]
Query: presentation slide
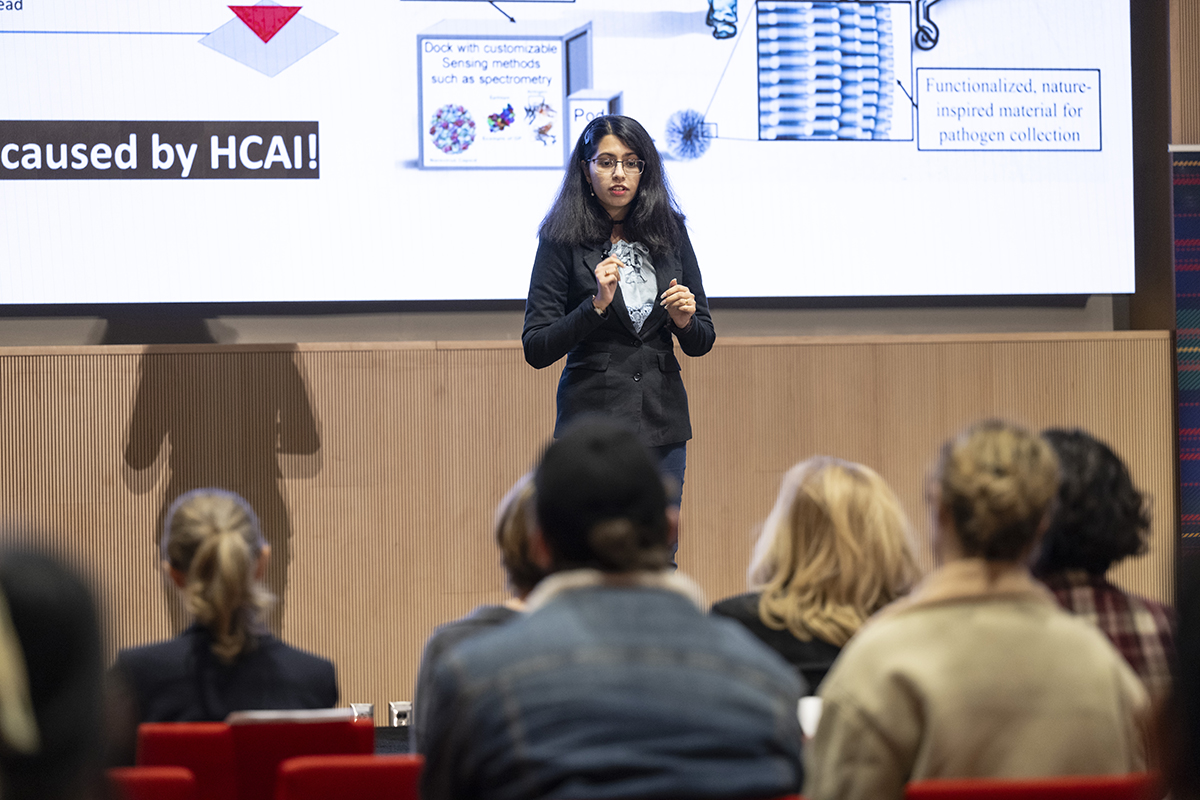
[381,150]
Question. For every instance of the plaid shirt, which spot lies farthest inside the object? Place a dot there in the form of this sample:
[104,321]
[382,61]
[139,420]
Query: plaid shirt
[1140,629]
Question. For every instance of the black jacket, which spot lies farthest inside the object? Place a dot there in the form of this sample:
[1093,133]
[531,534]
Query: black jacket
[181,680]
[611,368]
[812,659]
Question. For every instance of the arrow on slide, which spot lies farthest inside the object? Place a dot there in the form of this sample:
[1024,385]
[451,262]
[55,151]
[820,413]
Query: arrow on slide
[265,21]
[906,94]
[501,10]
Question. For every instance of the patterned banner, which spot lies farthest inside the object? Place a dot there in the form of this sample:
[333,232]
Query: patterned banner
[1187,319]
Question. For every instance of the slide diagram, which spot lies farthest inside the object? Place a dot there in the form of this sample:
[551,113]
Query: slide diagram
[407,149]
[828,70]
[268,37]
[519,82]
[823,71]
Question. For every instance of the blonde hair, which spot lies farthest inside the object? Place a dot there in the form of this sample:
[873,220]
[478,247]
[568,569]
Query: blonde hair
[213,537]
[835,549]
[997,483]
[514,518]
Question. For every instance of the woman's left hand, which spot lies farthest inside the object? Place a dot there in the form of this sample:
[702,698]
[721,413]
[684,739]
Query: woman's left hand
[680,303]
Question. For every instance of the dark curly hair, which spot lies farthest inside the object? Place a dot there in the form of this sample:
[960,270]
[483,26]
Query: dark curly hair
[1101,518]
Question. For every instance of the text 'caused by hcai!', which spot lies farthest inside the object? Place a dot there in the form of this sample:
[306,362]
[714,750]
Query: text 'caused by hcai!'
[106,150]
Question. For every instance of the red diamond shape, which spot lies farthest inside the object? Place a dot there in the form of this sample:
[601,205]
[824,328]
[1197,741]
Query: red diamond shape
[265,20]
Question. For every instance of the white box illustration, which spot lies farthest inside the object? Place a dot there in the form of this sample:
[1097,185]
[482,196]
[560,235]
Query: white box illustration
[586,105]
[494,94]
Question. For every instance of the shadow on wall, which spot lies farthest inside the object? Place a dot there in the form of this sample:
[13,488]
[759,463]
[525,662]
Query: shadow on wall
[238,420]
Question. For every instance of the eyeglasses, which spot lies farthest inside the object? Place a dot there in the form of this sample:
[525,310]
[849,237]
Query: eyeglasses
[609,164]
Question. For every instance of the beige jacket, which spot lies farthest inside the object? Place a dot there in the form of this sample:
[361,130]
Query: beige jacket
[978,673]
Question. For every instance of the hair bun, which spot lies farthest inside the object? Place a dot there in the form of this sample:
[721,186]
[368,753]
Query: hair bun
[998,482]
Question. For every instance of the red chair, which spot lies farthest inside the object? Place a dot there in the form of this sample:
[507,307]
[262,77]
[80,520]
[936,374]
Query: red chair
[1134,786]
[205,748]
[261,746]
[152,783]
[324,777]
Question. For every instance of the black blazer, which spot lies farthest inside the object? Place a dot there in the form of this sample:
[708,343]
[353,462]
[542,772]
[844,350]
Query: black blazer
[611,368]
[180,680]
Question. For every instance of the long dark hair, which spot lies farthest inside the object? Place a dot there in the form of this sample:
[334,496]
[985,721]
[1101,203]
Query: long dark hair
[577,218]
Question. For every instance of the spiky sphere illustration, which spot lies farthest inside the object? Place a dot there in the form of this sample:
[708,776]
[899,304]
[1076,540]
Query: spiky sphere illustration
[686,137]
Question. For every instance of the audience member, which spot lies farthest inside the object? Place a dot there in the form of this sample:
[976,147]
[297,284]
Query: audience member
[979,672]
[51,683]
[834,550]
[1179,719]
[1101,519]
[615,683]
[226,661]
[512,535]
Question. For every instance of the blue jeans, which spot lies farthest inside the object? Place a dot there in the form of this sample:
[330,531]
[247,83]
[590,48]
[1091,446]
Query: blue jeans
[672,461]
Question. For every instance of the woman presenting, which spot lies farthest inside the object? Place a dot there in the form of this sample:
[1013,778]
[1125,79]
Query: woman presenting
[614,279]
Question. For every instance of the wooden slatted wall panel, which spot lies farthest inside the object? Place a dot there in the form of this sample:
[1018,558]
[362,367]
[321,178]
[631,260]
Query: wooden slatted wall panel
[418,446]
[1185,71]
[890,405]
[376,468]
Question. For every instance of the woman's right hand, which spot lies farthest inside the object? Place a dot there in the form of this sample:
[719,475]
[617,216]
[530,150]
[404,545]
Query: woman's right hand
[607,277]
